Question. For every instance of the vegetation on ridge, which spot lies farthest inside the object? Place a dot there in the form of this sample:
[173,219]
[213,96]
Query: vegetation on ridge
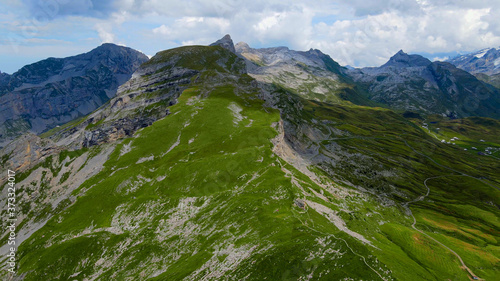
[204,194]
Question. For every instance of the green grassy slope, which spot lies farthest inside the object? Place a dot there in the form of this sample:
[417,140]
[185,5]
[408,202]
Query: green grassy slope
[392,157]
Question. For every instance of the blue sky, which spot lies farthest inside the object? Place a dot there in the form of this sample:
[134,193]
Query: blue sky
[354,32]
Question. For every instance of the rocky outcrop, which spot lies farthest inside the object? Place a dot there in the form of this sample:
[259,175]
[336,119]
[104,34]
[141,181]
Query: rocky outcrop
[55,91]
[26,152]
[310,74]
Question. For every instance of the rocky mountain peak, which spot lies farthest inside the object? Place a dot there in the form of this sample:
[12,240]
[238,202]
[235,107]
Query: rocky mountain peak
[225,42]
[486,61]
[54,91]
[315,52]
[112,48]
[402,59]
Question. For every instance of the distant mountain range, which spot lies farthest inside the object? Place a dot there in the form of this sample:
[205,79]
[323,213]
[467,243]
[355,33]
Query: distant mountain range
[485,61]
[414,83]
[55,91]
[484,64]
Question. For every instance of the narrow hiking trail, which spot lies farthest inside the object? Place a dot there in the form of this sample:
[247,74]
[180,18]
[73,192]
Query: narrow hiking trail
[345,242]
[420,198]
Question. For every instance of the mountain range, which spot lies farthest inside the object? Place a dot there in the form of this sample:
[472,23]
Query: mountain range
[53,92]
[226,162]
[414,83]
[485,61]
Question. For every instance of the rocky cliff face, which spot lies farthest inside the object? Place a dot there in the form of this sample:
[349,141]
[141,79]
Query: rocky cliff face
[4,77]
[413,83]
[55,91]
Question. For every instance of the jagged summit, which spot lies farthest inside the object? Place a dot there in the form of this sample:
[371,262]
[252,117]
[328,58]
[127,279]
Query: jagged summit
[311,50]
[225,42]
[402,59]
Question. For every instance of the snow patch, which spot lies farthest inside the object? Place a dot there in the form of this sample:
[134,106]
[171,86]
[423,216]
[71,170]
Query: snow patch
[481,53]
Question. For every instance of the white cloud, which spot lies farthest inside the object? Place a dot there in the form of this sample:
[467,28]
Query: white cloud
[440,58]
[194,30]
[162,29]
[355,32]
[267,23]
[372,39]
[105,35]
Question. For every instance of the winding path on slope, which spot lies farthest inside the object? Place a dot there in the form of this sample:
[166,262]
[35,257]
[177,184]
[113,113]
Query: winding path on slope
[420,198]
[347,244]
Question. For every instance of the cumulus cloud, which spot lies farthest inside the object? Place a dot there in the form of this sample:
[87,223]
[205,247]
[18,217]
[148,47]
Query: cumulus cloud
[372,39]
[355,32]
[375,7]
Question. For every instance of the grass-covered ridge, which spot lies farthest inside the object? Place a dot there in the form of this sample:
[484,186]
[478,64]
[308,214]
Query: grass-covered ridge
[197,193]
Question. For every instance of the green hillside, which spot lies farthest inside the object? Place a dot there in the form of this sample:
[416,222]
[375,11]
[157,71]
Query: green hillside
[248,181]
